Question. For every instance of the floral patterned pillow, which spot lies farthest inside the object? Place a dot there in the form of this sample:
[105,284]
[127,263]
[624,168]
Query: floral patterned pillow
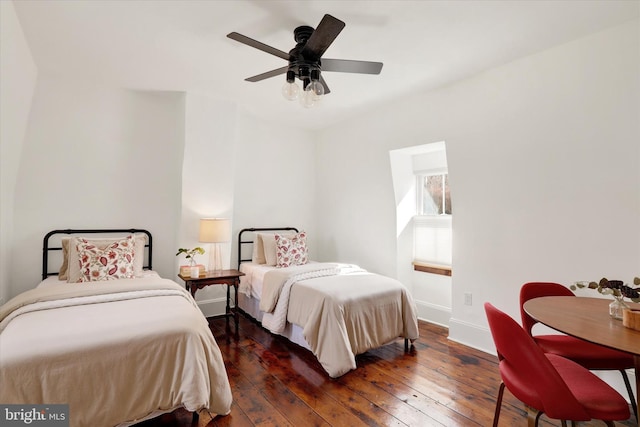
[291,250]
[113,262]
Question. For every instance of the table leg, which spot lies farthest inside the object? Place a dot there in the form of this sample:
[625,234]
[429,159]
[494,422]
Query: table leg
[235,302]
[636,362]
[191,289]
[227,310]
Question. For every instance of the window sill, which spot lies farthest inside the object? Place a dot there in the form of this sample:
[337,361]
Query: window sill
[443,270]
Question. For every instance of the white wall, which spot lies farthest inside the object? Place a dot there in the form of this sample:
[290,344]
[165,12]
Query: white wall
[17,84]
[97,157]
[355,199]
[208,172]
[275,179]
[544,167]
[246,169]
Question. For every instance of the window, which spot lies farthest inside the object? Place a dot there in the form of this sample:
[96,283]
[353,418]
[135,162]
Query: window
[432,239]
[423,206]
[432,231]
[433,194]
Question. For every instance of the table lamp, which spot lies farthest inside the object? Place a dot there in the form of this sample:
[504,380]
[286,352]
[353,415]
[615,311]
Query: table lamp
[215,231]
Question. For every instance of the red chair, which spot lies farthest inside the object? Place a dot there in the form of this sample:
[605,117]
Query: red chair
[548,383]
[591,356]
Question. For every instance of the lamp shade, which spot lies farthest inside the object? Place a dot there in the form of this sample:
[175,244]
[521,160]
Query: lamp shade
[214,230]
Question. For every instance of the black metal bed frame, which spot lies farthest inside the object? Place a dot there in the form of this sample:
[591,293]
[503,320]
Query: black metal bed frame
[250,242]
[46,248]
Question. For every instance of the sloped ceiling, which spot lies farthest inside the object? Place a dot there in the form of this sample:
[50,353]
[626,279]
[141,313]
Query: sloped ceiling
[182,45]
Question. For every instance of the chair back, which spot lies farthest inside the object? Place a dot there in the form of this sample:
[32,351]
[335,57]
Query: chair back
[524,365]
[533,290]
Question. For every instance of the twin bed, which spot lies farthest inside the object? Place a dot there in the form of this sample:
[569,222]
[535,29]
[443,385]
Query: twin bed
[335,310]
[125,350]
[116,351]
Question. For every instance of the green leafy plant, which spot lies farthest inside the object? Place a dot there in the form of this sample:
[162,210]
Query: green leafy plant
[191,253]
[612,287]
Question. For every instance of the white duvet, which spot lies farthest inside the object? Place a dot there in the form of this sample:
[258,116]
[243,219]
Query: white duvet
[342,309]
[116,352]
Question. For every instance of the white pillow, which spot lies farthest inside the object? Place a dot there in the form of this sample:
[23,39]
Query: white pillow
[258,250]
[74,274]
[264,248]
[64,268]
[269,244]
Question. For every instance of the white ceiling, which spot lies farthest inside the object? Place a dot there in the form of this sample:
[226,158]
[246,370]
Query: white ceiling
[182,45]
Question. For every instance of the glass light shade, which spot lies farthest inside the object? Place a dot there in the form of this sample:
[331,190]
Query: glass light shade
[307,98]
[214,230]
[290,91]
[317,88]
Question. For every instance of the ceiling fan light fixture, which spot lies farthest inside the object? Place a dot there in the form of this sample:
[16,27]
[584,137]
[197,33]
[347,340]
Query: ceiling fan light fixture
[316,87]
[305,61]
[307,98]
[290,91]
[291,76]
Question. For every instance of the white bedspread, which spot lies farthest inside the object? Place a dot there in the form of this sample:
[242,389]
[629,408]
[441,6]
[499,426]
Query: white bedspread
[116,351]
[343,310]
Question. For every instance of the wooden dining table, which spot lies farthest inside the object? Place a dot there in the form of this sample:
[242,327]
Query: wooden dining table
[588,319]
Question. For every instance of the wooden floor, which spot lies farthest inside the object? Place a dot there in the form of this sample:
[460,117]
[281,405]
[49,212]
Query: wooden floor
[277,383]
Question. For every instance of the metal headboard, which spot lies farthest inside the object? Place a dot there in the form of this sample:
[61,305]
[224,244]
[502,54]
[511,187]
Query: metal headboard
[250,242]
[46,249]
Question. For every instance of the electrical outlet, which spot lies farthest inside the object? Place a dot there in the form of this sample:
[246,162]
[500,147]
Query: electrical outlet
[468,298]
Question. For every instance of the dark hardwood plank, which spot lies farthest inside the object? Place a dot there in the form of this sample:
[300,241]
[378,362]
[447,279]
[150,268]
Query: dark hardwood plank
[437,383]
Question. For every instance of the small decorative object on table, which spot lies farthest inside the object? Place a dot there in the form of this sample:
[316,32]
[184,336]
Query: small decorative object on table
[194,269]
[617,289]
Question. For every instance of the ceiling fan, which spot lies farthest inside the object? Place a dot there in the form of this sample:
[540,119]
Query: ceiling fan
[306,62]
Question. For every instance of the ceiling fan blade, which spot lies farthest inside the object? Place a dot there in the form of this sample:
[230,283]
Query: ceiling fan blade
[258,45]
[324,83]
[350,66]
[268,74]
[326,32]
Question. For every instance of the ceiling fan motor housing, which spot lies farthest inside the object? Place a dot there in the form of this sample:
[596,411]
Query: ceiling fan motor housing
[301,34]
[306,69]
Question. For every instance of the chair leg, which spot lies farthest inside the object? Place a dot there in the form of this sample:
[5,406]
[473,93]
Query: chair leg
[610,423]
[538,418]
[632,398]
[564,423]
[496,415]
[531,420]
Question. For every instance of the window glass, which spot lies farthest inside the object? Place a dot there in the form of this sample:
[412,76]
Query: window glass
[433,195]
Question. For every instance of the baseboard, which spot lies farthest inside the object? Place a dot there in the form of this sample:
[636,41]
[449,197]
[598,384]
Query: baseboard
[471,335]
[212,307]
[433,313]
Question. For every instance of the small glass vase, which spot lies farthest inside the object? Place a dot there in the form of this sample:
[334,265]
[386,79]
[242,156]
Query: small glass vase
[616,307]
[194,268]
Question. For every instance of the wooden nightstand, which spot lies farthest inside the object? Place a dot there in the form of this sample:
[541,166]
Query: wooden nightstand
[222,277]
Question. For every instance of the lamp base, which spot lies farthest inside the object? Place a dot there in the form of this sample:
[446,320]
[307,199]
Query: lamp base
[215,258]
